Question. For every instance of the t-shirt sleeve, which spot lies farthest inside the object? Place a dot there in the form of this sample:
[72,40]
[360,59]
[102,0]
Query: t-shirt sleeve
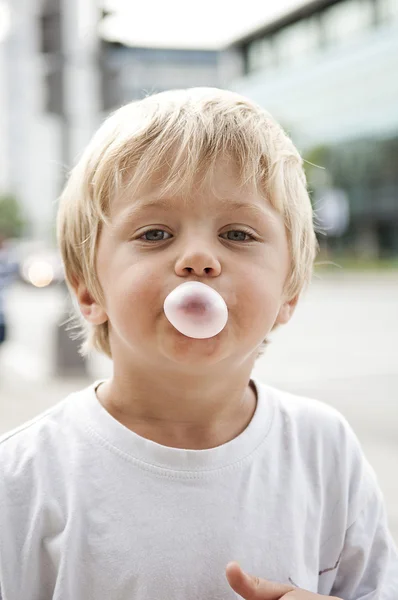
[368,566]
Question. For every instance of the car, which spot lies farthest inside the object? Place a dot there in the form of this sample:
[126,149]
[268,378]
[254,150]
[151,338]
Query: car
[39,264]
[42,269]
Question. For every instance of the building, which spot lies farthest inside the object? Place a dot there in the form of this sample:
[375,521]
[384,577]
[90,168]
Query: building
[59,79]
[328,72]
[130,73]
[49,99]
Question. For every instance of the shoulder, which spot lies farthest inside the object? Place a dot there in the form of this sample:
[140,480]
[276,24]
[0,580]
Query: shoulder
[30,447]
[315,420]
[323,443]
[313,424]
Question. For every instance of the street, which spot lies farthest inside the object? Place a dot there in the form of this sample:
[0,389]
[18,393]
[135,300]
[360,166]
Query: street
[340,348]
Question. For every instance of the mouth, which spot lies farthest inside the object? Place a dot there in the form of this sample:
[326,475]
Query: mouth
[197,312]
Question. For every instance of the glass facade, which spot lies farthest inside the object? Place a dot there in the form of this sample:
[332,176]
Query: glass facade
[387,10]
[366,170]
[298,41]
[132,73]
[261,55]
[330,79]
[344,21]
[331,27]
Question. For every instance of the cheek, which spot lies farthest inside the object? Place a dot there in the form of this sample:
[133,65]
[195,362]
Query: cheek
[135,296]
[258,298]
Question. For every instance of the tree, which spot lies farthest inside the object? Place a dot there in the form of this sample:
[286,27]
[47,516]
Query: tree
[11,219]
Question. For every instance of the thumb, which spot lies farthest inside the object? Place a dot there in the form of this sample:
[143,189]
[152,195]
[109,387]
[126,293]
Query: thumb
[254,588]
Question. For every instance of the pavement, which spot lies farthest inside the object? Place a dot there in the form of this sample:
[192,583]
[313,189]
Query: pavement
[340,348]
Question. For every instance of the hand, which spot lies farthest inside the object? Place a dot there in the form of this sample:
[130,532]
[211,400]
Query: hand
[254,588]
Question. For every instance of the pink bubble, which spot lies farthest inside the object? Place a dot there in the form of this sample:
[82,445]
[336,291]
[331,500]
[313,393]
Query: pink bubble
[196,310]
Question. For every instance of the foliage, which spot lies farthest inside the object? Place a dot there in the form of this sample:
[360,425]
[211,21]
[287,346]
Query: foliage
[11,219]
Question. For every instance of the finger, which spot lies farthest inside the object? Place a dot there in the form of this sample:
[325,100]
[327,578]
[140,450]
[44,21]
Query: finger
[254,588]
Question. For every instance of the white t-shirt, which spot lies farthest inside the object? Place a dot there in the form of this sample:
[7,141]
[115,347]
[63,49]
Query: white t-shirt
[90,510]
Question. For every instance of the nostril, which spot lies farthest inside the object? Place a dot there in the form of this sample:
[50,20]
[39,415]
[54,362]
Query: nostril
[206,270]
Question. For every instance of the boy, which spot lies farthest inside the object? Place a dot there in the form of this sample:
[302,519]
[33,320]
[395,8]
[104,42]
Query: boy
[151,484]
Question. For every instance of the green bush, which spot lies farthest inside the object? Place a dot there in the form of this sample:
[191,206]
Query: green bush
[11,219]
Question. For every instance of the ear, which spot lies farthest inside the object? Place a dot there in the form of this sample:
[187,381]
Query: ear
[90,309]
[286,311]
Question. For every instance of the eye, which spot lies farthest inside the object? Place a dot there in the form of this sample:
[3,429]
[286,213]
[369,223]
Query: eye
[239,235]
[154,235]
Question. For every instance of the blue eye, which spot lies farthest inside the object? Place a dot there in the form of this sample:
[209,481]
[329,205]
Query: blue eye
[233,235]
[238,235]
[154,235]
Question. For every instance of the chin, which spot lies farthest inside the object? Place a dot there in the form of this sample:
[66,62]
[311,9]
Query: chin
[186,350]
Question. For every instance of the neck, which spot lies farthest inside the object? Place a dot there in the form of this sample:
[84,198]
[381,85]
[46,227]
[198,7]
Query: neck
[184,411]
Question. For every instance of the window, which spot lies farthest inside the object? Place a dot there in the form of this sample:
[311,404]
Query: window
[287,46]
[345,20]
[387,10]
[260,55]
[297,41]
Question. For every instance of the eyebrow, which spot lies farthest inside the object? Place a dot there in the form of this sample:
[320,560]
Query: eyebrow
[163,203]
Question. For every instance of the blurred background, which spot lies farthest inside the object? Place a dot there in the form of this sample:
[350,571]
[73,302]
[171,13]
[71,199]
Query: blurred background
[326,69]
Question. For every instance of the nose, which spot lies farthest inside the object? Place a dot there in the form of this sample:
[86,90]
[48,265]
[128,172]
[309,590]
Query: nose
[198,259]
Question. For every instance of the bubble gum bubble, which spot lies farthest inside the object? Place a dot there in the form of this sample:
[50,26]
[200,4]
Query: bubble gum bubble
[196,310]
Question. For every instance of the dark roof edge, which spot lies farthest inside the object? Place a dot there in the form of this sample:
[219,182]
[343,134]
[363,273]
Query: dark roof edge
[296,14]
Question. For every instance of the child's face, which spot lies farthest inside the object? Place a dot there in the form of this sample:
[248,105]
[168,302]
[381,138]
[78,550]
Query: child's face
[150,250]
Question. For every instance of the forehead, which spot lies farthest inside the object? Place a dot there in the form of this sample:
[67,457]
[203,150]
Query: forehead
[219,189]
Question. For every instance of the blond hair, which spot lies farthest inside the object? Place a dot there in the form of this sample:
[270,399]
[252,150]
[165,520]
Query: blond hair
[181,133]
